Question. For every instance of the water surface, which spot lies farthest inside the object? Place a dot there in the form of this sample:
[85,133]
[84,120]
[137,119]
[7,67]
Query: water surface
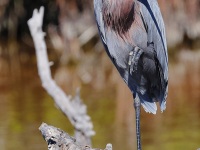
[24,105]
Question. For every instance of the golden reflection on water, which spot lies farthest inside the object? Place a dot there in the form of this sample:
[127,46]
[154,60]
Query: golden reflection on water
[24,105]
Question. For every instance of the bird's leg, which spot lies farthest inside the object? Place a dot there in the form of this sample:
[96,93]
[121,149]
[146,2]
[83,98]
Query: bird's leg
[134,57]
[137,115]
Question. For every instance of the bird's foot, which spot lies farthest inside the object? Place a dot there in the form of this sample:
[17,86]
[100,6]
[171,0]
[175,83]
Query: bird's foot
[134,57]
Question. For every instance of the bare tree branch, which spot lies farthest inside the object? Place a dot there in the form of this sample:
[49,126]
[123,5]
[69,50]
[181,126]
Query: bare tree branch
[74,109]
[59,140]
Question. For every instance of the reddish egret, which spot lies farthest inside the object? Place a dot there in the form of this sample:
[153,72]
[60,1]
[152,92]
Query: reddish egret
[133,34]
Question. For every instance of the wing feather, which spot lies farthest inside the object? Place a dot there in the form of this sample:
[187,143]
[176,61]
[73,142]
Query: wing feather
[156,34]
[99,19]
[156,31]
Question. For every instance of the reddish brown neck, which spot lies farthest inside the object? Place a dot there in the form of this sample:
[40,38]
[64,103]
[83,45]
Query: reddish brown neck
[117,7]
[118,14]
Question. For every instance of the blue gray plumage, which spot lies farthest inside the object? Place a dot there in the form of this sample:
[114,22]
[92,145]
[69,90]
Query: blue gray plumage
[125,25]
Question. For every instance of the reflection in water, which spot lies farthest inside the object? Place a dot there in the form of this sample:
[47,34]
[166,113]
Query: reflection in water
[24,105]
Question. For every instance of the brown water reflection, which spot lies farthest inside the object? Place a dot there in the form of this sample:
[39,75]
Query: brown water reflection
[24,105]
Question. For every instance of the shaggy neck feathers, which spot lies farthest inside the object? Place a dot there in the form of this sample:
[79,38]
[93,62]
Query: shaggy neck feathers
[118,14]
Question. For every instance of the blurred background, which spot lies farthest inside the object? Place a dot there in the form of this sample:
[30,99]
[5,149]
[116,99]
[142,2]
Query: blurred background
[80,61]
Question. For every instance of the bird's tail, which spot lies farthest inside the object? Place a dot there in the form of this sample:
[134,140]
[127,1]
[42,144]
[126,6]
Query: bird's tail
[149,107]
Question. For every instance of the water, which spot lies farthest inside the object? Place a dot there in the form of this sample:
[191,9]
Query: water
[24,105]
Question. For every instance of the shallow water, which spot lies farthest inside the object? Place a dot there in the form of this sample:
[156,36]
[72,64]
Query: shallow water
[24,105]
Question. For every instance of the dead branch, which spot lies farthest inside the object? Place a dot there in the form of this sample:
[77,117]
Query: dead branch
[73,108]
[57,139]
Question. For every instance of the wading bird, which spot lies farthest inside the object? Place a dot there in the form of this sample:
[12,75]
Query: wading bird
[133,34]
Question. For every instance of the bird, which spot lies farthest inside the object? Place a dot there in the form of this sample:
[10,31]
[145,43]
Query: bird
[134,37]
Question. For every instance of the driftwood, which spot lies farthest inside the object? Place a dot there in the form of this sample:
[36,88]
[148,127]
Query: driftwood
[59,140]
[73,108]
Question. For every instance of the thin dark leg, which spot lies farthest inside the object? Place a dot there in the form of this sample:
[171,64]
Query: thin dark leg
[137,114]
